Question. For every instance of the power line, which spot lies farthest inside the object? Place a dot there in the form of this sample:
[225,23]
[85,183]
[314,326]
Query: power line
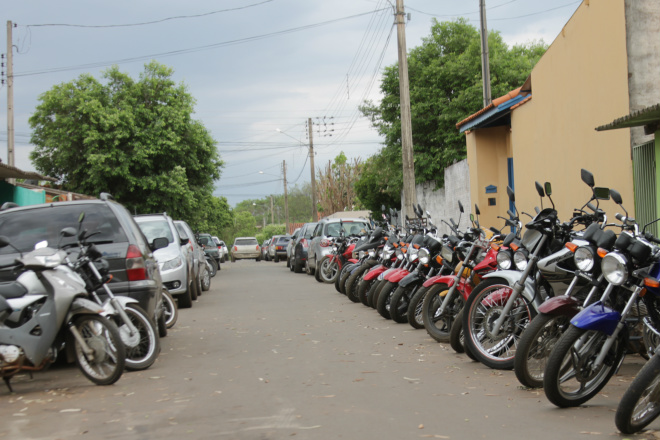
[178,17]
[190,50]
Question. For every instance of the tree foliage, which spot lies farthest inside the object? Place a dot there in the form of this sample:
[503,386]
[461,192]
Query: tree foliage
[335,185]
[445,88]
[133,138]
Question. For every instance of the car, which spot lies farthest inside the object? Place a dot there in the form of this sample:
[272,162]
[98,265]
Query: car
[321,243]
[264,249]
[129,254]
[245,248]
[199,261]
[289,247]
[174,261]
[222,247]
[301,245]
[209,246]
[277,248]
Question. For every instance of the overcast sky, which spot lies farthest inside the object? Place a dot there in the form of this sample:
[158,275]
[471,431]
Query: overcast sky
[254,66]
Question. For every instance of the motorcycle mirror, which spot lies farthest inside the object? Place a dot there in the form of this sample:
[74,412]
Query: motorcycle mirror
[382,208]
[616,197]
[539,189]
[460,207]
[4,241]
[601,193]
[68,232]
[587,177]
[421,211]
[81,217]
[511,194]
[428,214]
[472,217]
[476,209]
[548,189]
[536,209]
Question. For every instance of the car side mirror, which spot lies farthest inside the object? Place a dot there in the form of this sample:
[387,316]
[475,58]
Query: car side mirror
[159,243]
[184,241]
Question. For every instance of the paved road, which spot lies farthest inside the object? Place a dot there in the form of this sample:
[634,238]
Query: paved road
[269,354]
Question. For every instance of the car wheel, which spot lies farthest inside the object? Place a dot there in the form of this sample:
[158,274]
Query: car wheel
[184,300]
[277,258]
[192,288]
[206,279]
[233,260]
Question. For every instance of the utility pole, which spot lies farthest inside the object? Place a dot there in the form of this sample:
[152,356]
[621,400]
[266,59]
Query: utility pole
[485,63]
[409,196]
[272,215]
[10,95]
[286,199]
[311,164]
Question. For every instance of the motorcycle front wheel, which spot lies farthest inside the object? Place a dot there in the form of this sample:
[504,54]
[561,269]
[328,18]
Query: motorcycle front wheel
[353,281]
[640,404]
[106,363]
[328,270]
[483,308]
[570,378]
[142,347]
[439,325]
[400,302]
[535,346]
[457,337]
[385,298]
[213,266]
[415,318]
[171,311]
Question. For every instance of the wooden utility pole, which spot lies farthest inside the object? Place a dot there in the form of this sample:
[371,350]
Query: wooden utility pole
[10,96]
[272,215]
[409,196]
[311,164]
[286,199]
[485,63]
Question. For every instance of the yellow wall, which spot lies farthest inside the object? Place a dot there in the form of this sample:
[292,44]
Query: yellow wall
[580,83]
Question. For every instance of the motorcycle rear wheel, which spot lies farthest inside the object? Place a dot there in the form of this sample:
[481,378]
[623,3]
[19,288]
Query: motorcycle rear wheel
[374,293]
[328,270]
[482,308]
[457,337]
[213,266]
[535,346]
[640,404]
[351,286]
[569,379]
[385,299]
[106,365]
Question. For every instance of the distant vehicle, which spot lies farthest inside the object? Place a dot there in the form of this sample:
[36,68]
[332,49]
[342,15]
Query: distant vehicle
[277,247]
[264,249]
[222,247]
[289,248]
[245,248]
[300,247]
[199,261]
[327,229]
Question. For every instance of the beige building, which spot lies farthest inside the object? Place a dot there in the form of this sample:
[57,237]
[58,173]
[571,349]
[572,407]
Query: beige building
[602,65]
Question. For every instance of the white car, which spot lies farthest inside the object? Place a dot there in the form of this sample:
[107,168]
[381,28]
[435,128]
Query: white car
[222,248]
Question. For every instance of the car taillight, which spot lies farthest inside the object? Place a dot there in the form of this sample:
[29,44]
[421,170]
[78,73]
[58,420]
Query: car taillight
[326,243]
[235,248]
[257,247]
[304,243]
[136,270]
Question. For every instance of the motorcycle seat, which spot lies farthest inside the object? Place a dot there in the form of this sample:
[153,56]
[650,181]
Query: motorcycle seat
[12,289]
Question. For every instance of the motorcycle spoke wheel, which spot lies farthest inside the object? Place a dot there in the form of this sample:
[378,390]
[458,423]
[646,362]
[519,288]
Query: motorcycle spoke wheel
[570,378]
[640,404]
[328,270]
[484,308]
[439,325]
[535,346]
[105,365]
[416,307]
[143,347]
[171,311]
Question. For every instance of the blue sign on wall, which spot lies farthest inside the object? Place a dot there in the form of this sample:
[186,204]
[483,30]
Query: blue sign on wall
[491,189]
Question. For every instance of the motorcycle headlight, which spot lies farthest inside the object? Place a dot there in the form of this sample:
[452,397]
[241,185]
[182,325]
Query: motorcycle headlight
[584,258]
[362,254]
[520,260]
[399,254]
[615,268]
[335,248]
[447,254]
[424,256]
[380,253]
[504,260]
[412,254]
[372,253]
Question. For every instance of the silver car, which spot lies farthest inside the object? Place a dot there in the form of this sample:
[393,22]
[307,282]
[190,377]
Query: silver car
[290,246]
[199,260]
[175,264]
[222,248]
[327,229]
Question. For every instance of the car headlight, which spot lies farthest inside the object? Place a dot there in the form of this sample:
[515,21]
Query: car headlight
[173,263]
[424,256]
[504,261]
[584,258]
[615,268]
[520,260]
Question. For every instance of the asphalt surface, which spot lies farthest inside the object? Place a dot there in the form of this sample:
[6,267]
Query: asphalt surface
[269,354]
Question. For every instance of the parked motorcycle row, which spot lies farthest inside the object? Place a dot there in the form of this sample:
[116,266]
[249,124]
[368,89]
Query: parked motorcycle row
[53,310]
[559,302]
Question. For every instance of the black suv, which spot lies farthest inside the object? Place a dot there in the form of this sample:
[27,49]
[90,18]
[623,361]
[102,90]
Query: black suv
[132,265]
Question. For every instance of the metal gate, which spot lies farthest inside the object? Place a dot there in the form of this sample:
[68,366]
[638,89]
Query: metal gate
[645,185]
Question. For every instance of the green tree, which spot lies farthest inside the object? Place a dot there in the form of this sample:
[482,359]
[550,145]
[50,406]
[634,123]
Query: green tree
[335,185]
[133,138]
[445,88]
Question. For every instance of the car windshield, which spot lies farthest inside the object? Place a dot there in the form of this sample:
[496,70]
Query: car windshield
[246,242]
[349,228]
[206,240]
[283,240]
[156,228]
[310,230]
[25,228]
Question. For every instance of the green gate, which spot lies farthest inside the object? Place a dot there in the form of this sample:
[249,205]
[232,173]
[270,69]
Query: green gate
[645,185]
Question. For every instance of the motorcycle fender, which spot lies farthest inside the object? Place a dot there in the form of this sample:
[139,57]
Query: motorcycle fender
[389,274]
[123,300]
[374,272]
[513,276]
[440,279]
[396,277]
[386,273]
[82,306]
[560,306]
[413,278]
[597,317]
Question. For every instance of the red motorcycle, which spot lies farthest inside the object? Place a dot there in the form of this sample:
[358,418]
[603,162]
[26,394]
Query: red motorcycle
[330,266]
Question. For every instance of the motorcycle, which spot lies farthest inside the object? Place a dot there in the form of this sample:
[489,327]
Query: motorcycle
[640,404]
[593,348]
[45,311]
[136,328]
[331,265]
